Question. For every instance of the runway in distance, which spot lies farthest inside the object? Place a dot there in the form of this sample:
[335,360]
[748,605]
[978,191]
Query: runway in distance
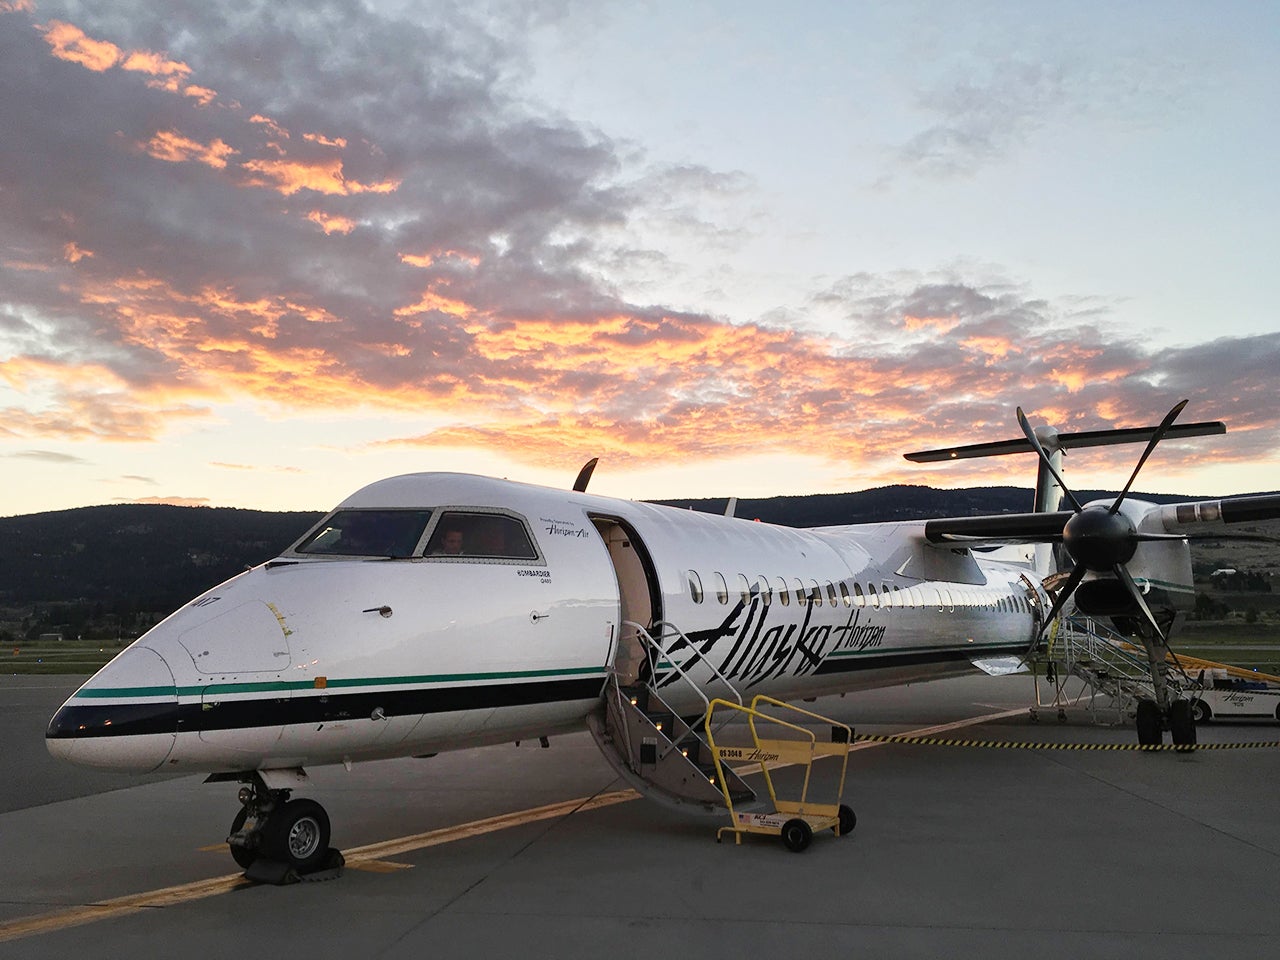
[437,611]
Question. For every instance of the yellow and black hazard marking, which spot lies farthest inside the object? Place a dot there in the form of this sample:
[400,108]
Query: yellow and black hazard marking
[1042,745]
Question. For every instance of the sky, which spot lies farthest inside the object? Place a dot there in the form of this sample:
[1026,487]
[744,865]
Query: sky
[259,255]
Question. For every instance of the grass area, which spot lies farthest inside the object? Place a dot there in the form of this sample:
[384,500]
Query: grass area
[59,656]
[1254,646]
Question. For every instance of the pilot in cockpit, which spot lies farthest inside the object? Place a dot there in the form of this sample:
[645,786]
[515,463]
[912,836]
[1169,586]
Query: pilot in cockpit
[449,544]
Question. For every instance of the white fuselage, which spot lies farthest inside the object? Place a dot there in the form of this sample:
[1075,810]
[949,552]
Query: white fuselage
[315,658]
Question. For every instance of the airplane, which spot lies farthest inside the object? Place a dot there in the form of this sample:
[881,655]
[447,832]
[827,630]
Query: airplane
[438,611]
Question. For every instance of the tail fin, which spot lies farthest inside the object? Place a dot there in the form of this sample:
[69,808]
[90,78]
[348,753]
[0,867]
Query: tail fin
[1048,493]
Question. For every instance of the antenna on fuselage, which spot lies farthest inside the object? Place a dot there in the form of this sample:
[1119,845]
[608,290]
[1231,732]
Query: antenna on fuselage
[584,475]
[731,507]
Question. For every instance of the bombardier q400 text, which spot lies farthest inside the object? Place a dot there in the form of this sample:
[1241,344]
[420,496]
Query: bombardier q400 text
[437,611]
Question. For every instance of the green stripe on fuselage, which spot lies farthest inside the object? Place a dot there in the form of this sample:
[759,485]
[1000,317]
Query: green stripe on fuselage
[281,686]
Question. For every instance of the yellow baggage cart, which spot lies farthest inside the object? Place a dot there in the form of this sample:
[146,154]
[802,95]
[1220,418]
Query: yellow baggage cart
[795,822]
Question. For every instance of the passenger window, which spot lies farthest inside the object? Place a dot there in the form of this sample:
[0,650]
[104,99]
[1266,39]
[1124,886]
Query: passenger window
[366,533]
[744,587]
[858,598]
[844,593]
[492,536]
[873,596]
[831,593]
[784,596]
[695,586]
[766,593]
[801,597]
[815,593]
[722,588]
[897,596]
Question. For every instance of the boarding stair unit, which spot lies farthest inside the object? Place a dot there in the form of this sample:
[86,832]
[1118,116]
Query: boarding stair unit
[659,750]
[1107,665]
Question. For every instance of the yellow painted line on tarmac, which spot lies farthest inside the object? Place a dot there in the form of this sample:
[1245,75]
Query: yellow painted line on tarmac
[368,858]
[750,768]
[432,838]
[379,866]
[119,907]
[944,727]
[371,857]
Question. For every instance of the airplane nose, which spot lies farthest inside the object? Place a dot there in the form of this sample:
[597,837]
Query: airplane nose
[124,718]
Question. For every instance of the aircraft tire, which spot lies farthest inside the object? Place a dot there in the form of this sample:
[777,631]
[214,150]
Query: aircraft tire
[848,820]
[1201,713]
[1148,723]
[297,834]
[1182,724]
[243,856]
[797,835]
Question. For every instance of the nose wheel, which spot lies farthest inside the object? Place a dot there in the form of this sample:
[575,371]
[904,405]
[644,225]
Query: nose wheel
[272,831]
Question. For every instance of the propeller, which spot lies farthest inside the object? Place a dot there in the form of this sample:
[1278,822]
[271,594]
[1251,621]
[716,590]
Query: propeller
[1099,538]
[584,475]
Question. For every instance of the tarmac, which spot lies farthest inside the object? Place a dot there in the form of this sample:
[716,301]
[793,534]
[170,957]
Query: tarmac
[507,851]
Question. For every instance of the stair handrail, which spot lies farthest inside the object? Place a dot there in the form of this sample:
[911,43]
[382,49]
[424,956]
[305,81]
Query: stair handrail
[715,671]
[805,749]
[1103,644]
[1122,645]
[658,647]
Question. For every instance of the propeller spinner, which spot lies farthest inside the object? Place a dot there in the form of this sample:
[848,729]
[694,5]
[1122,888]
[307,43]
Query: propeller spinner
[1103,539]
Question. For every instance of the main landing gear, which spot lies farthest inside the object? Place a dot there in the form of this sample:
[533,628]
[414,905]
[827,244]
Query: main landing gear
[276,839]
[1179,721]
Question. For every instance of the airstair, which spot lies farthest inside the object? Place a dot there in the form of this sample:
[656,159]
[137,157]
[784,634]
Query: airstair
[658,749]
[1110,670]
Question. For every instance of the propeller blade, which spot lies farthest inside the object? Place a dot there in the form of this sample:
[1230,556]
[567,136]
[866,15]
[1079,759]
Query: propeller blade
[584,475]
[1156,437]
[1068,588]
[1122,574]
[1044,458]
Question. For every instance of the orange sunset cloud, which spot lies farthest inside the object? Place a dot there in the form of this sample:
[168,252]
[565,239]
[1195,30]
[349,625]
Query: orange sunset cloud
[173,147]
[71,43]
[320,176]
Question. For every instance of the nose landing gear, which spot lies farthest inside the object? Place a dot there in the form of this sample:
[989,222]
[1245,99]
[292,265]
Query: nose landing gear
[278,840]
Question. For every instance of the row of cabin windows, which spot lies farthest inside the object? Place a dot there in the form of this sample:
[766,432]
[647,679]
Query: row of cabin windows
[886,596]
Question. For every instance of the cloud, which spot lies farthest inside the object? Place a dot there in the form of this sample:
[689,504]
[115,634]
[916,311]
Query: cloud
[367,216]
[983,114]
[249,467]
[48,456]
[985,106]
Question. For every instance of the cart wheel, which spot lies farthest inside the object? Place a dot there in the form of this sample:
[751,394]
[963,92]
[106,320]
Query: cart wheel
[797,834]
[848,820]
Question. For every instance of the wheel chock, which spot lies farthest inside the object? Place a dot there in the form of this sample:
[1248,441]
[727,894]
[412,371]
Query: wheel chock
[280,874]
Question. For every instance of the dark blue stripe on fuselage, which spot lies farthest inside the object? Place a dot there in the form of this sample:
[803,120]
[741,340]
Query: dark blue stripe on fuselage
[130,719]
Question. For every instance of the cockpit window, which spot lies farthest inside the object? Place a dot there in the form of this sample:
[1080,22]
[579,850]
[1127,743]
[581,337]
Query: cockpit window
[482,535]
[367,533]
